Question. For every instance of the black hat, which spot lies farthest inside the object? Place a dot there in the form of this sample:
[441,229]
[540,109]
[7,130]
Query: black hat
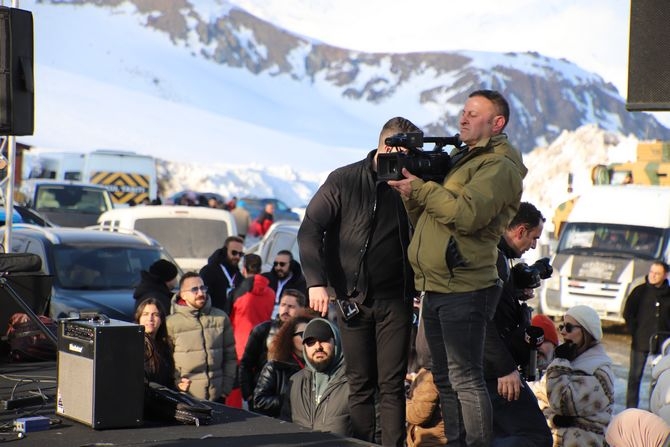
[164,270]
[319,329]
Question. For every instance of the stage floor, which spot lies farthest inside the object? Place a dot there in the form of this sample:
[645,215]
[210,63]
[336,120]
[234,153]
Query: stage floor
[232,427]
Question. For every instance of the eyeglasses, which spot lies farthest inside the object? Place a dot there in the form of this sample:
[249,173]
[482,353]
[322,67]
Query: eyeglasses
[280,264]
[311,341]
[298,334]
[203,289]
[237,253]
[568,327]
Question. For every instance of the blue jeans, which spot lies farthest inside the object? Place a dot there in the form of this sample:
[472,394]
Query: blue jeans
[455,325]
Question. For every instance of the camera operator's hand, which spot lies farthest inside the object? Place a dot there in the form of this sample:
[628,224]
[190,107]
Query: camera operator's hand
[509,386]
[527,294]
[404,187]
[566,351]
[318,300]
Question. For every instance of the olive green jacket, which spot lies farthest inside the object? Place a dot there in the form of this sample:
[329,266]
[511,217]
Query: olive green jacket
[478,198]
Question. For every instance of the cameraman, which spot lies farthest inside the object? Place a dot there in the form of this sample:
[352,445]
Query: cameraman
[517,419]
[354,238]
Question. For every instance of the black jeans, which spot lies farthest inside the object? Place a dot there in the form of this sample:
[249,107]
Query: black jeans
[518,423]
[375,345]
[638,360]
[455,325]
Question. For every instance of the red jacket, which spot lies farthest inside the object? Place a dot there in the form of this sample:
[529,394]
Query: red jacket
[253,303]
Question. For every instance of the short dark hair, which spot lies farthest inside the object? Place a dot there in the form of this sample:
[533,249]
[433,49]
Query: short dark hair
[297,294]
[285,253]
[188,275]
[232,239]
[499,102]
[663,265]
[528,216]
[252,262]
[396,125]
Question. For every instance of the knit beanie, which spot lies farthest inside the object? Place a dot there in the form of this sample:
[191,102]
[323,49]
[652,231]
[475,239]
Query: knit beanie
[588,318]
[544,322]
[163,270]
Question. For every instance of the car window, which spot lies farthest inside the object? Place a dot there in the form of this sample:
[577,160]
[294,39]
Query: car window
[281,241]
[187,237]
[96,268]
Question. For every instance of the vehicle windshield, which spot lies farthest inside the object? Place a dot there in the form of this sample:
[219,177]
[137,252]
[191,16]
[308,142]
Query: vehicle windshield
[72,197]
[100,268]
[185,237]
[632,241]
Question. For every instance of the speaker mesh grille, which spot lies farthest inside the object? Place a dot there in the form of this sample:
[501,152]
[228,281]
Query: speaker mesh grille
[649,56]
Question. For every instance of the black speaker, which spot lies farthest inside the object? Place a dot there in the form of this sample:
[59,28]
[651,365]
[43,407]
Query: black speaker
[17,92]
[101,373]
[649,56]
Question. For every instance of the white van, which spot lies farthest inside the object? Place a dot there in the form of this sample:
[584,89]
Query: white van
[189,233]
[608,243]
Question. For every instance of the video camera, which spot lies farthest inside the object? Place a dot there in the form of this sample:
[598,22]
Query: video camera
[529,276]
[428,165]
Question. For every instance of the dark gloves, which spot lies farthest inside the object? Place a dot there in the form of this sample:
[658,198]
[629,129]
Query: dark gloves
[566,351]
[564,421]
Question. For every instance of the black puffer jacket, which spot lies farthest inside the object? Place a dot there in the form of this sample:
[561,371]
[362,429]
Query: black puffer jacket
[273,385]
[256,355]
[216,280]
[332,253]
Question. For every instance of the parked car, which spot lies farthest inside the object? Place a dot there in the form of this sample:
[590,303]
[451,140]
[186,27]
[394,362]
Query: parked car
[256,206]
[22,214]
[189,233]
[92,270]
[282,235]
[66,203]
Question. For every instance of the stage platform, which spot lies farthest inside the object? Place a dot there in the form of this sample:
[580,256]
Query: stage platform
[232,427]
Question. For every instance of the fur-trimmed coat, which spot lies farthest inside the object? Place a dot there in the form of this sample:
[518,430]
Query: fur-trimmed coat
[583,388]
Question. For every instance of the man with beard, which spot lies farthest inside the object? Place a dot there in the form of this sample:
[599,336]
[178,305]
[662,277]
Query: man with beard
[222,274]
[517,419]
[255,355]
[545,352]
[319,393]
[286,273]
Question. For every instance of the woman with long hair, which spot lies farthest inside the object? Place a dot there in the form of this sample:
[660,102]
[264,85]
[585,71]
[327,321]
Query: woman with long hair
[284,359]
[158,361]
[576,394]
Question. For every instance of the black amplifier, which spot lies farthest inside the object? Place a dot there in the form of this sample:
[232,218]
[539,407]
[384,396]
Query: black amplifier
[101,372]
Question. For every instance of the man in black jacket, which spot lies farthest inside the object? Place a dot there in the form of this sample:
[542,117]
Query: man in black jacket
[222,274]
[647,313]
[354,238]
[286,274]
[517,419]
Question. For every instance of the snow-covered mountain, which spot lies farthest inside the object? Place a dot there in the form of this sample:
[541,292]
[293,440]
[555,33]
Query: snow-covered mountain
[221,96]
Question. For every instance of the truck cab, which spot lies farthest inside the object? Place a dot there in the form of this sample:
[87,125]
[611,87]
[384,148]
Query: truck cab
[610,238]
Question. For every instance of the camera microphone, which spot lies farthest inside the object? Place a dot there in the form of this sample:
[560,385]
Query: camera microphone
[534,336]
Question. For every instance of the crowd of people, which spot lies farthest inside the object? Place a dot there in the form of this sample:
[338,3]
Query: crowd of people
[333,342]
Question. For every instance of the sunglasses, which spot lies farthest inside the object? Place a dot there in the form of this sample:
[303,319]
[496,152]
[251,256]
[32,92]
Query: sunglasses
[298,334]
[568,327]
[280,264]
[237,253]
[203,289]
